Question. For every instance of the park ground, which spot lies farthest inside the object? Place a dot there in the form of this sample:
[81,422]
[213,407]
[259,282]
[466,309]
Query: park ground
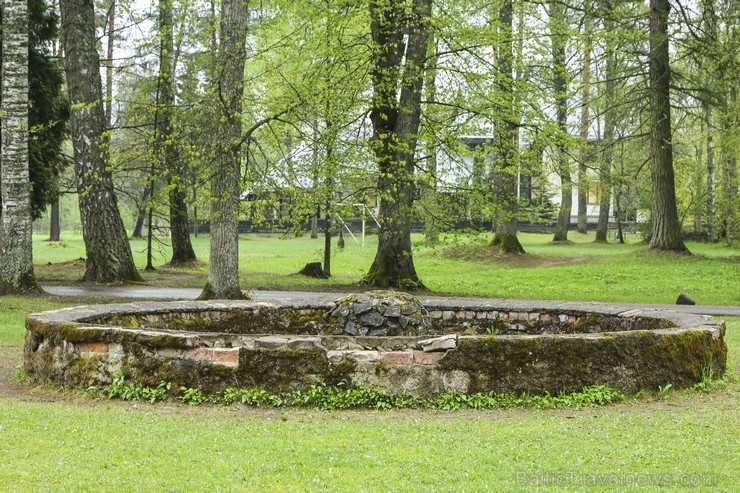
[59,440]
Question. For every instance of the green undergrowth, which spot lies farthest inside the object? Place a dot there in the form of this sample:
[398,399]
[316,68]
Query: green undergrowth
[341,397]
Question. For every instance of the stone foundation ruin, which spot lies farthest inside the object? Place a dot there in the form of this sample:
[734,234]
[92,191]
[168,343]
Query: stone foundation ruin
[386,339]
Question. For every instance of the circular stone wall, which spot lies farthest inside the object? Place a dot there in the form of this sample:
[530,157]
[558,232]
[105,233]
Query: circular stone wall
[467,346]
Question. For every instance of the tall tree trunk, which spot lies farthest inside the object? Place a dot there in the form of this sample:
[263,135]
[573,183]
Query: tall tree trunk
[314,226]
[711,175]
[731,137]
[505,167]
[54,226]
[429,191]
[141,213]
[666,234]
[327,243]
[329,169]
[109,256]
[583,181]
[395,127]
[560,93]
[16,242]
[182,248]
[196,224]
[109,64]
[223,272]
[607,153]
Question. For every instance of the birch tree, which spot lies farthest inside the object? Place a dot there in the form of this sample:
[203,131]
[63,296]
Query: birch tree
[16,250]
[108,251]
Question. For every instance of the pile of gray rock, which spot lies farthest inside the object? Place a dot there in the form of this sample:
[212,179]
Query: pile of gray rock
[378,313]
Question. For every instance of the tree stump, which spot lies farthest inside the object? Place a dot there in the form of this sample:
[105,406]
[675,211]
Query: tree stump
[314,269]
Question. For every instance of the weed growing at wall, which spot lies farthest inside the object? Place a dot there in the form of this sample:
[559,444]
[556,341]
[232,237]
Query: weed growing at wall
[129,391]
[340,397]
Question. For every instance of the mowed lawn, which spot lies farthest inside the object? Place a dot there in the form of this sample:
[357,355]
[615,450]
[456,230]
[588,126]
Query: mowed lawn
[580,271]
[681,441]
[56,441]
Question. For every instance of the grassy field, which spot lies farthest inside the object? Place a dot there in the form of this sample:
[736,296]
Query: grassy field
[681,441]
[580,271]
[58,441]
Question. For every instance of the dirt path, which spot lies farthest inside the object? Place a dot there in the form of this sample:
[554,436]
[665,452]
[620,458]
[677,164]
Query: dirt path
[10,358]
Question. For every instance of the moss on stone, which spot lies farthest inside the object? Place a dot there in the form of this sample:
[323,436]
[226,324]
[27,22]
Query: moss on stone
[259,320]
[636,357]
[565,364]
[282,370]
[84,371]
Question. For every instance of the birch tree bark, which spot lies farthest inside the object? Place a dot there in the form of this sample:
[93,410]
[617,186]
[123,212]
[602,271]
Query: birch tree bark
[16,250]
[108,251]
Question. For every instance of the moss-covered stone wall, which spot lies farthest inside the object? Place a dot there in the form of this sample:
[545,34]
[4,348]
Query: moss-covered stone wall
[472,347]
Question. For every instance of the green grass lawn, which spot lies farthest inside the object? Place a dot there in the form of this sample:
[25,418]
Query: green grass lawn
[580,271]
[60,446]
[55,441]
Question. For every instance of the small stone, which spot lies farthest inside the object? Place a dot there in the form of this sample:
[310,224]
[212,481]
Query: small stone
[309,343]
[360,308]
[93,347]
[422,358]
[342,311]
[684,300]
[448,315]
[270,342]
[407,310]
[439,343]
[372,319]
[350,328]
[335,356]
[377,333]
[362,356]
[397,357]
[226,356]
[403,321]
[393,311]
